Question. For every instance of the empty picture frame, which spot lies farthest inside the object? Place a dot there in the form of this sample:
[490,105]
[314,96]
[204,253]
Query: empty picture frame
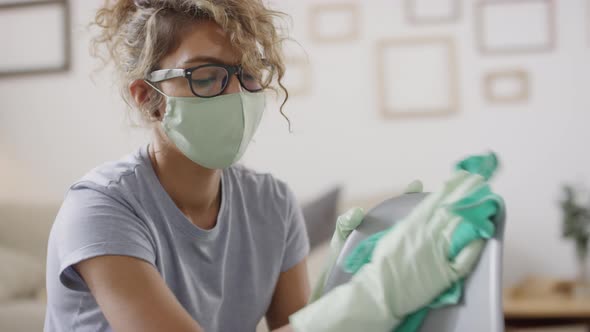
[417,77]
[507,86]
[338,22]
[432,11]
[515,26]
[35,37]
[297,77]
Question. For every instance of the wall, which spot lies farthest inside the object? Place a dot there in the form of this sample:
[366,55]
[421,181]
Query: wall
[54,128]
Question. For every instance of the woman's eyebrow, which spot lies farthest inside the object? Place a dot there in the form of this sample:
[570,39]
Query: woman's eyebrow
[204,58]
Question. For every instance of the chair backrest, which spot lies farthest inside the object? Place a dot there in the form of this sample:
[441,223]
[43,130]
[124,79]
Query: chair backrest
[480,308]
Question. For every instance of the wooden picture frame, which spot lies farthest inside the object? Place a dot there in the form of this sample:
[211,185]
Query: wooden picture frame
[518,75]
[549,29]
[414,17]
[41,68]
[303,66]
[315,16]
[449,82]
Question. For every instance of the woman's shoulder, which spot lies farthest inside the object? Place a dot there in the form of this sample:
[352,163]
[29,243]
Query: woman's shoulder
[108,189]
[115,175]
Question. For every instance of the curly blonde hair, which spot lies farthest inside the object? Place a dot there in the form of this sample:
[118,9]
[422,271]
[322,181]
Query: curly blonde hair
[137,34]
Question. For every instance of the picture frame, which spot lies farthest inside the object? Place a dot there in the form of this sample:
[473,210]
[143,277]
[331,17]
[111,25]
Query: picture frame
[416,76]
[37,58]
[319,12]
[522,41]
[519,77]
[416,14]
[301,67]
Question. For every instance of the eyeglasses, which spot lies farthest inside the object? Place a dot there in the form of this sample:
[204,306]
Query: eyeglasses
[211,80]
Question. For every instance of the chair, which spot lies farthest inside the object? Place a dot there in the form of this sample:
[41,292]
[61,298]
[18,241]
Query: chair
[480,309]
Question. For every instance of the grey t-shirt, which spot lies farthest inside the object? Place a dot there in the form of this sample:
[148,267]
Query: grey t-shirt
[223,277]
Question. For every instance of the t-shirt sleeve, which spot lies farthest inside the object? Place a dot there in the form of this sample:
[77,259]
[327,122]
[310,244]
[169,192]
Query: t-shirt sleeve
[93,223]
[297,242]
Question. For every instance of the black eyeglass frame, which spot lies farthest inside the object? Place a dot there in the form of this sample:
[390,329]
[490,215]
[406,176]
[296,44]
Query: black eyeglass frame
[166,74]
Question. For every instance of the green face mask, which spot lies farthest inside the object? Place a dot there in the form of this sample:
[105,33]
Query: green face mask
[213,132]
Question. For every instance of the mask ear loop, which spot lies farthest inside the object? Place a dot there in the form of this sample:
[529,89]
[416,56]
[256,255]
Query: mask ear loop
[160,92]
[155,88]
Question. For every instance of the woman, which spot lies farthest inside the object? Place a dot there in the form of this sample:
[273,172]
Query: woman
[176,237]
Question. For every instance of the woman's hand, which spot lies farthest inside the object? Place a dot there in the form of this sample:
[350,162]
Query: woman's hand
[345,224]
[410,267]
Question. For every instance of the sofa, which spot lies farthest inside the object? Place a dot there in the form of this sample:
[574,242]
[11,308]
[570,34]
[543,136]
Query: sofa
[24,229]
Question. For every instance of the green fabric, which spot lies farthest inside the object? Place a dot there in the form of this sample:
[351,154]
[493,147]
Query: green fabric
[476,209]
[361,255]
[484,165]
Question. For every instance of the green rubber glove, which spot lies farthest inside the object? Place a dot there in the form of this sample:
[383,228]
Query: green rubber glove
[409,268]
[345,224]
[414,187]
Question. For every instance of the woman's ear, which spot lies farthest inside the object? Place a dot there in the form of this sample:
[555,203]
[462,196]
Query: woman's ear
[140,92]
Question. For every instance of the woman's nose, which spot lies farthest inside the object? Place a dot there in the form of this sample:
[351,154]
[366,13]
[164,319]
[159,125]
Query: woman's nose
[233,86]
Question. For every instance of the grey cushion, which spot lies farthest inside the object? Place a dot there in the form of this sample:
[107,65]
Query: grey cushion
[320,216]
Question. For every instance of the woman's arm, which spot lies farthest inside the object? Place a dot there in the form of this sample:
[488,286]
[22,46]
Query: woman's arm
[291,294]
[133,296]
